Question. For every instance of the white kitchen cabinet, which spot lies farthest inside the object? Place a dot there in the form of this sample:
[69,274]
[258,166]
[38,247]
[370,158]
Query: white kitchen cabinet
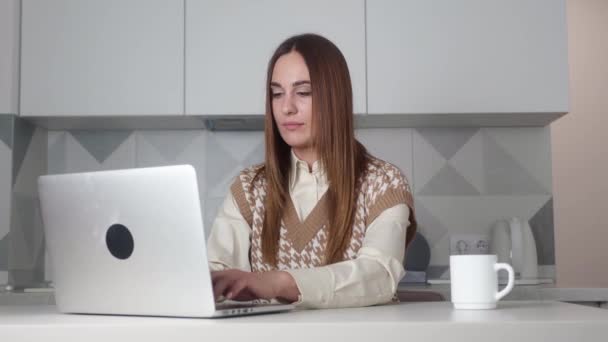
[110,57]
[9,56]
[229,43]
[467,56]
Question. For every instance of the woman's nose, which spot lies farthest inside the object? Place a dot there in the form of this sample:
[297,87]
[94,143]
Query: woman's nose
[289,106]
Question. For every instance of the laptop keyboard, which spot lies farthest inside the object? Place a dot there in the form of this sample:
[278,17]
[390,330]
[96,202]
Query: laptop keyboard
[232,304]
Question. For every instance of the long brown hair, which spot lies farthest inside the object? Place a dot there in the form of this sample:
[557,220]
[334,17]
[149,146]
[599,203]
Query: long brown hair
[340,154]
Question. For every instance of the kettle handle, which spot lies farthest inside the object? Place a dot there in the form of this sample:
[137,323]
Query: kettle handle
[517,248]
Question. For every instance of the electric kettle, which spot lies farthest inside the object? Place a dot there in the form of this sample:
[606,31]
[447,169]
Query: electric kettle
[513,243]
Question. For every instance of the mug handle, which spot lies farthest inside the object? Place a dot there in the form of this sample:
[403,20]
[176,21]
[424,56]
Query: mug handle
[510,284]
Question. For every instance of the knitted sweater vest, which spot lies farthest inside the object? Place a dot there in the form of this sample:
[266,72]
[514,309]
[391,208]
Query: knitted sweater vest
[302,243]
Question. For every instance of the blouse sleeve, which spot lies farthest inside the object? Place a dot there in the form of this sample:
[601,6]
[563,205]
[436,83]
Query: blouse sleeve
[229,241]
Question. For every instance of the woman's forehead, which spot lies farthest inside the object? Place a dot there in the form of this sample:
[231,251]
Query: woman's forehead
[290,70]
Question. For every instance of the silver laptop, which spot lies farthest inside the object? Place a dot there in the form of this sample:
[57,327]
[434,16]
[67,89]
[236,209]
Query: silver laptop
[131,242]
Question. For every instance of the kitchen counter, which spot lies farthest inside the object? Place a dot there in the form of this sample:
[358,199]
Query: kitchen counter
[437,321]
[27,298]
[598,296]
[595,296]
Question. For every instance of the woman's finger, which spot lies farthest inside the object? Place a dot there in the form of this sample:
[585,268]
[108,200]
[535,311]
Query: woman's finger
[236,288]
[220,286]
[245,295]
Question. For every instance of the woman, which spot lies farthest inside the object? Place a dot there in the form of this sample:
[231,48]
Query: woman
[321,223]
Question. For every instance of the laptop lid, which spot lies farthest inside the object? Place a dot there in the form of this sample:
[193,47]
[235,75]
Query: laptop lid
[127,242]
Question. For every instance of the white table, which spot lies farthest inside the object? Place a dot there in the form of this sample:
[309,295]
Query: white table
[512,321]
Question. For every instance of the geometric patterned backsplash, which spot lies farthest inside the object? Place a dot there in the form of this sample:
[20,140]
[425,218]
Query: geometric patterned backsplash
[464,179]
[23,157]
[6,145]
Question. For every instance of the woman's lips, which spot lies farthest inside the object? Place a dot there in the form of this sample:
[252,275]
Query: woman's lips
[292,126]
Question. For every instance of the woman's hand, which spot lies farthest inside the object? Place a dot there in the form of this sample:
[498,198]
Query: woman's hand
[244,286]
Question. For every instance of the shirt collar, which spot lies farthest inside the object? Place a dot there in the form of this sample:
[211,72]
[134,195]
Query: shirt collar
[298,166]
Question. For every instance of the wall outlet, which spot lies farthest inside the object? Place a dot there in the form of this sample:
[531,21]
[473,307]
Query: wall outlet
[469,244]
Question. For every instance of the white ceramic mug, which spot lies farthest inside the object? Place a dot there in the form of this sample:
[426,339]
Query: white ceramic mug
[474,281]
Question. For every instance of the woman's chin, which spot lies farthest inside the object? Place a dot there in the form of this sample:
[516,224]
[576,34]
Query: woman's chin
[297,142]
[298,146]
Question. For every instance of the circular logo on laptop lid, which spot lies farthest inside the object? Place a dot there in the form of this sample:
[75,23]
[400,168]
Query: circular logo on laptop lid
[119,241]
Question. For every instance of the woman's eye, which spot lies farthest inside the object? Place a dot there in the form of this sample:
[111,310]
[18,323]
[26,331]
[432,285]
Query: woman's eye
[304,93]
[276,95]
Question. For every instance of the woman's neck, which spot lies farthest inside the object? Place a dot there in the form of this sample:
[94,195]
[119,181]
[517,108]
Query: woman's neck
[306,154]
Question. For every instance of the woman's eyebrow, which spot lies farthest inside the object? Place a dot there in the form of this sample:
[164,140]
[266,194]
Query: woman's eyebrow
[294,84]
[297,83]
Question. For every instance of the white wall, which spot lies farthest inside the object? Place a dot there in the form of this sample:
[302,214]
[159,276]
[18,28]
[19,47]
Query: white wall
[9,55]
[579,143]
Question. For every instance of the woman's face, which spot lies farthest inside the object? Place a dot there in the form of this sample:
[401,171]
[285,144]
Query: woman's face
[292,100]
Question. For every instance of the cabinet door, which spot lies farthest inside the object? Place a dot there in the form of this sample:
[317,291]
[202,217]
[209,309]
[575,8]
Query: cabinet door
[9,56]
[110,57]
[466,56]
[229,43]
